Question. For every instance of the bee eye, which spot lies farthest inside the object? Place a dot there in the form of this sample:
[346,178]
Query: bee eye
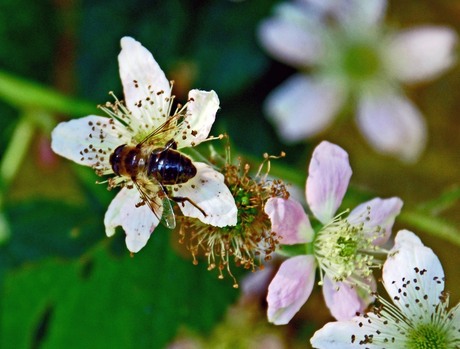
[115,159]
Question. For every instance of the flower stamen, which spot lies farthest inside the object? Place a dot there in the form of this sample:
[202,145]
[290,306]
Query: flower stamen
[345,251]
[251,241]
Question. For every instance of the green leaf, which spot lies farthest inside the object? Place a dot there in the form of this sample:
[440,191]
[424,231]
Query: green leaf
[104,301]
[43,228]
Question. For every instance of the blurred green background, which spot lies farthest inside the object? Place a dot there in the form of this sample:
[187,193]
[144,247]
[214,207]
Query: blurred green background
[64,284]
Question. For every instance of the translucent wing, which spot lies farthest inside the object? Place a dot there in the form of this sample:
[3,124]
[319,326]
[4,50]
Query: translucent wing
[150,191]
[168,219]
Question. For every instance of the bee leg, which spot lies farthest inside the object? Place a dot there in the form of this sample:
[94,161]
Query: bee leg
[171,144]
[181,199]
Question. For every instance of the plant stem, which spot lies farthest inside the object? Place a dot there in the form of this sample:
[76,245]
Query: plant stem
[16,150]
[432,225]
[10,163]
[23,93]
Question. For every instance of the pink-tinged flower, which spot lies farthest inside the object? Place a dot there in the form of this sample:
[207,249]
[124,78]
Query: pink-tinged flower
[351,55]
[91,141]
[343,248]
[418,317]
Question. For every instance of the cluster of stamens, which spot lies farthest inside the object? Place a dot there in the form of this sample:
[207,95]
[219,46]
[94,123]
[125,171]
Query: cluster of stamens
[138,118]
[345,252]
[251,241]
[417,323]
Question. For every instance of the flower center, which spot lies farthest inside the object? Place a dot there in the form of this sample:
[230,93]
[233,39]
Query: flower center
[251,241]
[247,205]
[343,251]
[427,336]
[360,61]
[347,247]
[420,328]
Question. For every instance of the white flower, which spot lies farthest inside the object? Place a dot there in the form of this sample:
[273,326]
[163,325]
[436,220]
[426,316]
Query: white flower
[351,55]
[342,249]
[418,317]
[91,140]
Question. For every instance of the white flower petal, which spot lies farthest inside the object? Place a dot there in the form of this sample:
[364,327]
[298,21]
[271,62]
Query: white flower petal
[289,220]
[321,7]
[301,107]
[353,13]
[456,314]
[142,77]
[328,177]
[137,222]
[292,36]
[290,288]
[377,215]
[209,192]
[413,276]
[392,125]
[342,300]
[89,140]
[343,335]
[421,53]
[201,113]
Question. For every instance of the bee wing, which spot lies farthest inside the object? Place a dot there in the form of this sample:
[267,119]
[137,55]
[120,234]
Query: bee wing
[150,191]
[168,219]
[168,126]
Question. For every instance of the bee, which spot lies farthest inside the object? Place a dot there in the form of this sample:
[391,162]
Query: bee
[152,168]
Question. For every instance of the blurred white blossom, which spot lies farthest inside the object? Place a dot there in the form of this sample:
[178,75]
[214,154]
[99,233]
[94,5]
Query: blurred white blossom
[351,55]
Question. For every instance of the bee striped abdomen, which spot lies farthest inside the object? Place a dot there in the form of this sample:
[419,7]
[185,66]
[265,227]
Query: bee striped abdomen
[170,167]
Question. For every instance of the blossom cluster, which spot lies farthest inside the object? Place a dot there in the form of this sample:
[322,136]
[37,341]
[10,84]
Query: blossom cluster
[140,147]
[229,214]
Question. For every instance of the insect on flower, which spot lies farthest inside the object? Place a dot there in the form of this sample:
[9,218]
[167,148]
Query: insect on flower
[138,146]
[151,168]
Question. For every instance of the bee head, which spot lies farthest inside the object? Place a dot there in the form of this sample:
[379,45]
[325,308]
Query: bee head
[116,159]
